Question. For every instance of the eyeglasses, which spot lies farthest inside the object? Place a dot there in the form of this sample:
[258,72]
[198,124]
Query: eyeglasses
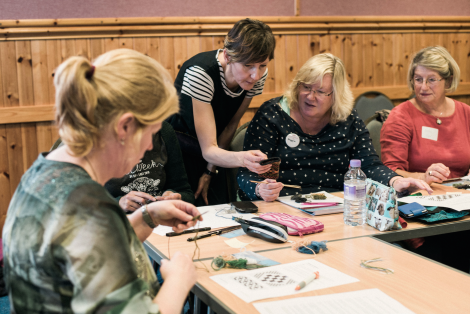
[431,82]
[304,89]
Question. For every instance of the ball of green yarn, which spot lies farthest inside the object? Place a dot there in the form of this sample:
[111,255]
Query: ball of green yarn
[218,262]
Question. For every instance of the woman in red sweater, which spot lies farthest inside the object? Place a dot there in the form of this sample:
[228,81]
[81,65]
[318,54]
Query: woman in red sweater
[428,137]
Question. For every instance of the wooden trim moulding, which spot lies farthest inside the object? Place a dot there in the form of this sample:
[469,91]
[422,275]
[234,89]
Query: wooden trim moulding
[216,26]
[26,114]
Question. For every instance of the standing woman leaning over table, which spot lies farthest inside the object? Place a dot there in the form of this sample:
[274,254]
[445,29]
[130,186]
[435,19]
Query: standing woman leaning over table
[68,246]
[216,88]
[428,137]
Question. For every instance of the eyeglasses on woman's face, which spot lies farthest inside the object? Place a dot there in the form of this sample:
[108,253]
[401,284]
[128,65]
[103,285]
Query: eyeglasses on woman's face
[306,90]
[431,81]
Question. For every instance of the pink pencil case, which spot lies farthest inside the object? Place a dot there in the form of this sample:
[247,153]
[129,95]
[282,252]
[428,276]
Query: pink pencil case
[295,225]
[320,204]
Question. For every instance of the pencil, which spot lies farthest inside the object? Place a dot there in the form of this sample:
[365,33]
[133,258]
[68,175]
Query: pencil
[307,280]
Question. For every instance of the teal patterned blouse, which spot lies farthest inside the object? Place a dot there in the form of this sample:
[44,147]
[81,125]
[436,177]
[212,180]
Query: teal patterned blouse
[69,248]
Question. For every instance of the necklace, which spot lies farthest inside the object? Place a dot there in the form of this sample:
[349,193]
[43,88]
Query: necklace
[92,169]
[438,121]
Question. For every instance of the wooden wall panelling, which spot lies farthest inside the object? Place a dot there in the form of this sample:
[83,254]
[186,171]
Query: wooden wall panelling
[53,61]
[111,44]
[82,48]
[357,61]
[314,44]
[167,54]
[181,52]
[125,43]
[193,46]
[11,99]
[336,42]
[207,43]
[97,47]
[378,59]
[5,190]
[367,44]
[462,56]
[290,63]
[219,42]
[346,56]
[67,49]
[41,79]
[25,53]
[140,44]
[154,48]
[280,82]
[325,44]
[304,50]
[398,59]
[388,65]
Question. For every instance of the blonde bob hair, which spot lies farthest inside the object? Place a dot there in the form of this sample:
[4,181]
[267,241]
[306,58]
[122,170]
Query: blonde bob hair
[438,59]
[89,97]
[313,72]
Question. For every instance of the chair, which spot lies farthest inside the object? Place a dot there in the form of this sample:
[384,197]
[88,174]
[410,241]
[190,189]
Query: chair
[368,103]
[236,145]
[374,125]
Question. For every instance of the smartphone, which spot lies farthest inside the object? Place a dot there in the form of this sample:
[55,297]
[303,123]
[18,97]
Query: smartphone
[245,207]
[269,161]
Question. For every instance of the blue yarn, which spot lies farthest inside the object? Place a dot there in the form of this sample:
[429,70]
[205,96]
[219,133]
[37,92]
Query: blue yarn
[315,246]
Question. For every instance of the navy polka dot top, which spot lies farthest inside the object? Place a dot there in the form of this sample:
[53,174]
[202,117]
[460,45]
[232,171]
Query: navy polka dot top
[319,162]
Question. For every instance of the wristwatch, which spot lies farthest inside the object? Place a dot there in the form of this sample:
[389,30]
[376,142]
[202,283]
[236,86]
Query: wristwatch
[146,217]
[211,173]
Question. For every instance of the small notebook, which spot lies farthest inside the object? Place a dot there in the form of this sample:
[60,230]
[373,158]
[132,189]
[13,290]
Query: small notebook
[317,209]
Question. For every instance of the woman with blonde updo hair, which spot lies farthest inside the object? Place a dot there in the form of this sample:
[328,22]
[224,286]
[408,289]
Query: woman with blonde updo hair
[68,246]
[315,132]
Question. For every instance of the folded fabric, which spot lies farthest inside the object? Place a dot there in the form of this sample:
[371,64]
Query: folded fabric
[295,225]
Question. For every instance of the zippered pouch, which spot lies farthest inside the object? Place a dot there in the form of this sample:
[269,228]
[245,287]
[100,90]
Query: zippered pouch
[295,225]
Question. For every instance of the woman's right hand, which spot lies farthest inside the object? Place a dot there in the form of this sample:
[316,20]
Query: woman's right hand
[436,173]
[134,200]
[251,161]
[270,191]
[176,214]
[179,270]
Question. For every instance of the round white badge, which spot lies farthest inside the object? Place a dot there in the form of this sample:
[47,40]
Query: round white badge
[292,140]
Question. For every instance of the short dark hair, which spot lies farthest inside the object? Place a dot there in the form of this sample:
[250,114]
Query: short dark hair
[250,41]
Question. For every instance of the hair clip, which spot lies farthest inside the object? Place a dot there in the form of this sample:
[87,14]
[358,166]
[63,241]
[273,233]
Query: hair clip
[89,73]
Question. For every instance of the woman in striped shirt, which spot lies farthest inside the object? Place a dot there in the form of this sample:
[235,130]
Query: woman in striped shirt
[216,88]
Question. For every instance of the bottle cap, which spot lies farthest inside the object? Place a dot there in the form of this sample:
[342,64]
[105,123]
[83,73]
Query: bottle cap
[355,163]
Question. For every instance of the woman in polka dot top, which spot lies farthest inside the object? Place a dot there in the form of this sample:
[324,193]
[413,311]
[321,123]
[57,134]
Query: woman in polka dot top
[315,131]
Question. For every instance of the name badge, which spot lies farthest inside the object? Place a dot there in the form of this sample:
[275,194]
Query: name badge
[292,140]
[429,133]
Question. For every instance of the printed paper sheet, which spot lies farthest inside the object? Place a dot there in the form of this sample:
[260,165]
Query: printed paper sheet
[280,280]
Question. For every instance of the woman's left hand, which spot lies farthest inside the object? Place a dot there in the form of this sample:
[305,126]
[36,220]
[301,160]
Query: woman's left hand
[176,214]
[169,195]
[411,184]
[251,161]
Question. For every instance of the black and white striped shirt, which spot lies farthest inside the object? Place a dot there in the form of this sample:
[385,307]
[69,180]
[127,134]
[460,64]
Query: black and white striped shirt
[199,85]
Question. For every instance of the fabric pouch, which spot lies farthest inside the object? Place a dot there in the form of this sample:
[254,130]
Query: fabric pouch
[263,229]
[382,207]
[295,225]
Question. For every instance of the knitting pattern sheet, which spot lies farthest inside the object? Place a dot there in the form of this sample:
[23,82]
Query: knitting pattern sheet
[456,202]
[356,302]
[281,280]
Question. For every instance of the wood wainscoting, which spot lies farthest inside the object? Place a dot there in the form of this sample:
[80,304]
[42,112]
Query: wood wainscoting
[376,53]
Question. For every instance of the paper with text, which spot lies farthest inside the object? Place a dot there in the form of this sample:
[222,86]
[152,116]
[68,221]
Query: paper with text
[356,302]
[280,280]
[456,202]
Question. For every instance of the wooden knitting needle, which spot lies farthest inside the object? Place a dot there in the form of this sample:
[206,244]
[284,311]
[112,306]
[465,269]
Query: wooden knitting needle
[287,185]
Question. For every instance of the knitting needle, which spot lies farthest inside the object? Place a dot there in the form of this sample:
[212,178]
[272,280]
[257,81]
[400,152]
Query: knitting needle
[198,216]
[287,185]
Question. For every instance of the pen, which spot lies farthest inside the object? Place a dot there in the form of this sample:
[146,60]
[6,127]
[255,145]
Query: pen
[172,234]
[307,280]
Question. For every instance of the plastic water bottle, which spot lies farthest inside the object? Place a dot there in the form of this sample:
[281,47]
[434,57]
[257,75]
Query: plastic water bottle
[355,195]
